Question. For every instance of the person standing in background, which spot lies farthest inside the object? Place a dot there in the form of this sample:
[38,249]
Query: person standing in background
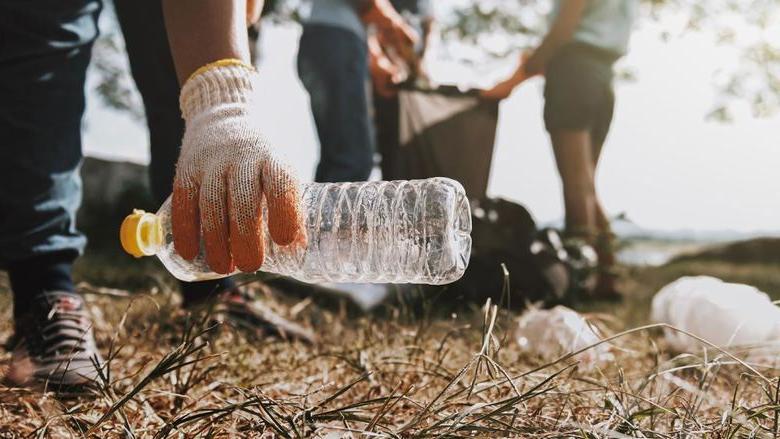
[388,68]
[584,40]
[333,67]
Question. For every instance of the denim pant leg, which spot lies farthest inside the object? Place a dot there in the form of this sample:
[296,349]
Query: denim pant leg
[45,48]
[388,141]
[154,73]
[333,66]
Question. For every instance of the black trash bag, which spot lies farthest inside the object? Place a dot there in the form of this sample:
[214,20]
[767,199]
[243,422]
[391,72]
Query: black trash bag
[540,267]
[440,132]
[449,132]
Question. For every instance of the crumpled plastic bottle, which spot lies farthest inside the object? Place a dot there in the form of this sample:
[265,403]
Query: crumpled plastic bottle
[725,314]
[553,333]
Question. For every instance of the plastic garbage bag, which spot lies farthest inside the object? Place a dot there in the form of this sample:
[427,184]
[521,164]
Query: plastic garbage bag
[553,333]
[437,132]
[724,314]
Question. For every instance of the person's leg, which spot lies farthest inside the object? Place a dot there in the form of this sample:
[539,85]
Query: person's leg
[605,239]
[598,137]
[332,64]
[578,111]
[45,48]
[575,116]
[602,220]
[386,121]
[584,216]
[574,158]
[152,68]
[604,236]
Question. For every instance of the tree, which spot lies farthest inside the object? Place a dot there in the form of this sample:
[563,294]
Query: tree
[497,28]
[751,26]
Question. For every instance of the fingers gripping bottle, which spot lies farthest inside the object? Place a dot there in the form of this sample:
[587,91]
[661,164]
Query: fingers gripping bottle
[369,232]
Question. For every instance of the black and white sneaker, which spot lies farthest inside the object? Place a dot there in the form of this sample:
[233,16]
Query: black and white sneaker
[53,344]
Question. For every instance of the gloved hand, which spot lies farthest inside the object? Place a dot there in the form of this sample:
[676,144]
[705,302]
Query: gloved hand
[225,169]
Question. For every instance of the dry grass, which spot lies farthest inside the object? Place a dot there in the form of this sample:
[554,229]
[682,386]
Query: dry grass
[396,373]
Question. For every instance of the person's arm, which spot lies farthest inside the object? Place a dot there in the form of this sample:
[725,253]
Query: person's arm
[417,61]
[384,73]
[428,22]
[428,27]
[408,60]
[254,10]
[383,15]
[204,31]
[226,169]
[561,32]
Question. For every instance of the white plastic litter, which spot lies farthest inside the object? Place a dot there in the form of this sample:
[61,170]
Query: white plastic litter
[724,314]
[366,296]
[551,334]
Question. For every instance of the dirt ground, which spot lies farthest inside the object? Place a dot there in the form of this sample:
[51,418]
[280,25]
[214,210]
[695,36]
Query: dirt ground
[428,369]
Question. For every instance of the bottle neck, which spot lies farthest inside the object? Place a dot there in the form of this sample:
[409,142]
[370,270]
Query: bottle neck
[151,238]
[141,234]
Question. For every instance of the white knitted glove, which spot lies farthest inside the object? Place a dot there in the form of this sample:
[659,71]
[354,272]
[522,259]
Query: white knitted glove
[225,168]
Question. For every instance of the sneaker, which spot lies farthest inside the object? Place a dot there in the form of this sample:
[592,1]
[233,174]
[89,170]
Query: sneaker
[240,308]
[53,344]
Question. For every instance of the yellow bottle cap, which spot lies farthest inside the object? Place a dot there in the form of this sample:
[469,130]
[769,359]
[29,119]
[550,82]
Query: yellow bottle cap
[141,233]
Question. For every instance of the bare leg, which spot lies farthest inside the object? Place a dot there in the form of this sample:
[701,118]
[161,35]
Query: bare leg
[576,159]
[574,156]
[602,221]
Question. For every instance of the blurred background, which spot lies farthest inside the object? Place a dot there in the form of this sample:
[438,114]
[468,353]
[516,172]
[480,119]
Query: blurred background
[692,157]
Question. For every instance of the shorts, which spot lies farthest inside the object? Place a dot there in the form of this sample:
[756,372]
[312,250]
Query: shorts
[578,91]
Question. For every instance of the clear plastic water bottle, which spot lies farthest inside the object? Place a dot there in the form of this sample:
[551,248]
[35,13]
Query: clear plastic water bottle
[369,232]
[725,314]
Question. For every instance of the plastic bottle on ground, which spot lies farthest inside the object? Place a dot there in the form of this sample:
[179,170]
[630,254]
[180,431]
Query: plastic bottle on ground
[553,333]
[414,231]
[725,314]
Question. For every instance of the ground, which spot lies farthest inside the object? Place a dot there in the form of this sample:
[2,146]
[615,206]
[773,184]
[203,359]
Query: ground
[430,369]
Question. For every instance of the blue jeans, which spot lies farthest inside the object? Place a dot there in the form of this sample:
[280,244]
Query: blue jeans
[151,65]
[45,48]
[333,67]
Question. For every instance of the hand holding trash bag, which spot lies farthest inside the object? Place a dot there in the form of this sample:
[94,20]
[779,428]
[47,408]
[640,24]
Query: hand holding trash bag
[396,32]
[385,74]
[225,169]
[504,89]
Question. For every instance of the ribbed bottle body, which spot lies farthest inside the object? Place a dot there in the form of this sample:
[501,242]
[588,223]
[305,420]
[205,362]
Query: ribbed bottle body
[414,231]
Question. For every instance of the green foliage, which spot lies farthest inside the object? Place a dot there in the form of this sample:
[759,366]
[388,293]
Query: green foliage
[110,66]
[746,25]
[750,26]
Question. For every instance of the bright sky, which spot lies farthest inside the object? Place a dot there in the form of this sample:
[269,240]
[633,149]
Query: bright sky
[664,165]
